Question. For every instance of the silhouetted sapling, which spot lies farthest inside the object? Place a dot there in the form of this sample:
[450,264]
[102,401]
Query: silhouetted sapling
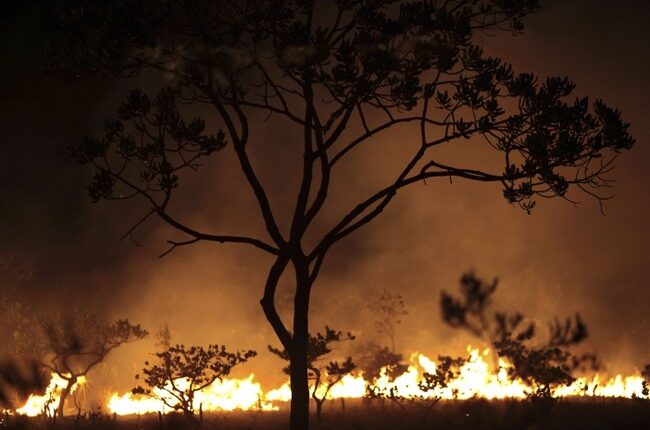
[180,372]
[336,76]
[388,310]
[324,375]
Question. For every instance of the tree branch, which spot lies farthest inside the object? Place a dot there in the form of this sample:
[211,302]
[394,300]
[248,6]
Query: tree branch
[268,301]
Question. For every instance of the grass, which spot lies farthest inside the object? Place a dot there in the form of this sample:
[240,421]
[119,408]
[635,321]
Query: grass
[476,414]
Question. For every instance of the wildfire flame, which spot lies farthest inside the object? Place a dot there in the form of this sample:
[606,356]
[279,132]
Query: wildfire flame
[476,378]
[221,395]
[48,402]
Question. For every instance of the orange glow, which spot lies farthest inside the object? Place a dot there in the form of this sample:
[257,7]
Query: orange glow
[476,379]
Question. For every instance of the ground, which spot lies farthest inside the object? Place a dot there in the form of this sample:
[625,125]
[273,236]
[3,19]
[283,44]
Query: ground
[568,414]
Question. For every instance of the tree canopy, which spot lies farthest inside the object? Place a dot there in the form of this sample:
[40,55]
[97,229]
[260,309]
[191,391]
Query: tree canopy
[341,73]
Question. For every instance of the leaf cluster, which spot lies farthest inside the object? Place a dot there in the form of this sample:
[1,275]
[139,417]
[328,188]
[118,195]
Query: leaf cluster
[379,56]
[150,137]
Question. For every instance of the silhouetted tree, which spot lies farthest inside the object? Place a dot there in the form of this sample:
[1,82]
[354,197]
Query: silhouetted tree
[342,73]
[541,364]
[180,372]
[388,310]
[324,375]
[71,346]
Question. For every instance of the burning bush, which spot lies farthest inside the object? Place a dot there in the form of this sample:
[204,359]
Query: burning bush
[181,372]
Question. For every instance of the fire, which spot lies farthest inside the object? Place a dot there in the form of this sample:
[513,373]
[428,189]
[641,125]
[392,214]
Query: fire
[477,378]
[221,395]
[48,402]
[281,394]
[350,387]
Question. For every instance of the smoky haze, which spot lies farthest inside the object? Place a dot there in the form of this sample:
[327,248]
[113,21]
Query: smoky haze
[558,260]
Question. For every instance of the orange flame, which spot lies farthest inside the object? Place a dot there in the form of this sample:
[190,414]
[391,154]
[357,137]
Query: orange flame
[476,379]
[48,402]
[224,395]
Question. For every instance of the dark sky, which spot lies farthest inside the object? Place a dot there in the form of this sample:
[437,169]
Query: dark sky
[556,261]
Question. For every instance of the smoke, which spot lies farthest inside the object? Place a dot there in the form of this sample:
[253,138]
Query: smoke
[559,260]
[18,380]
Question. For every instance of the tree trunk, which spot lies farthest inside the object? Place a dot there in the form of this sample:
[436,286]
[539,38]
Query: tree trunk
[299,416]
[319,412]
[190,417]
[64,395]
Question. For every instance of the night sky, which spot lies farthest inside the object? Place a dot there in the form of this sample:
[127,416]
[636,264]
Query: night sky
[558,260]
